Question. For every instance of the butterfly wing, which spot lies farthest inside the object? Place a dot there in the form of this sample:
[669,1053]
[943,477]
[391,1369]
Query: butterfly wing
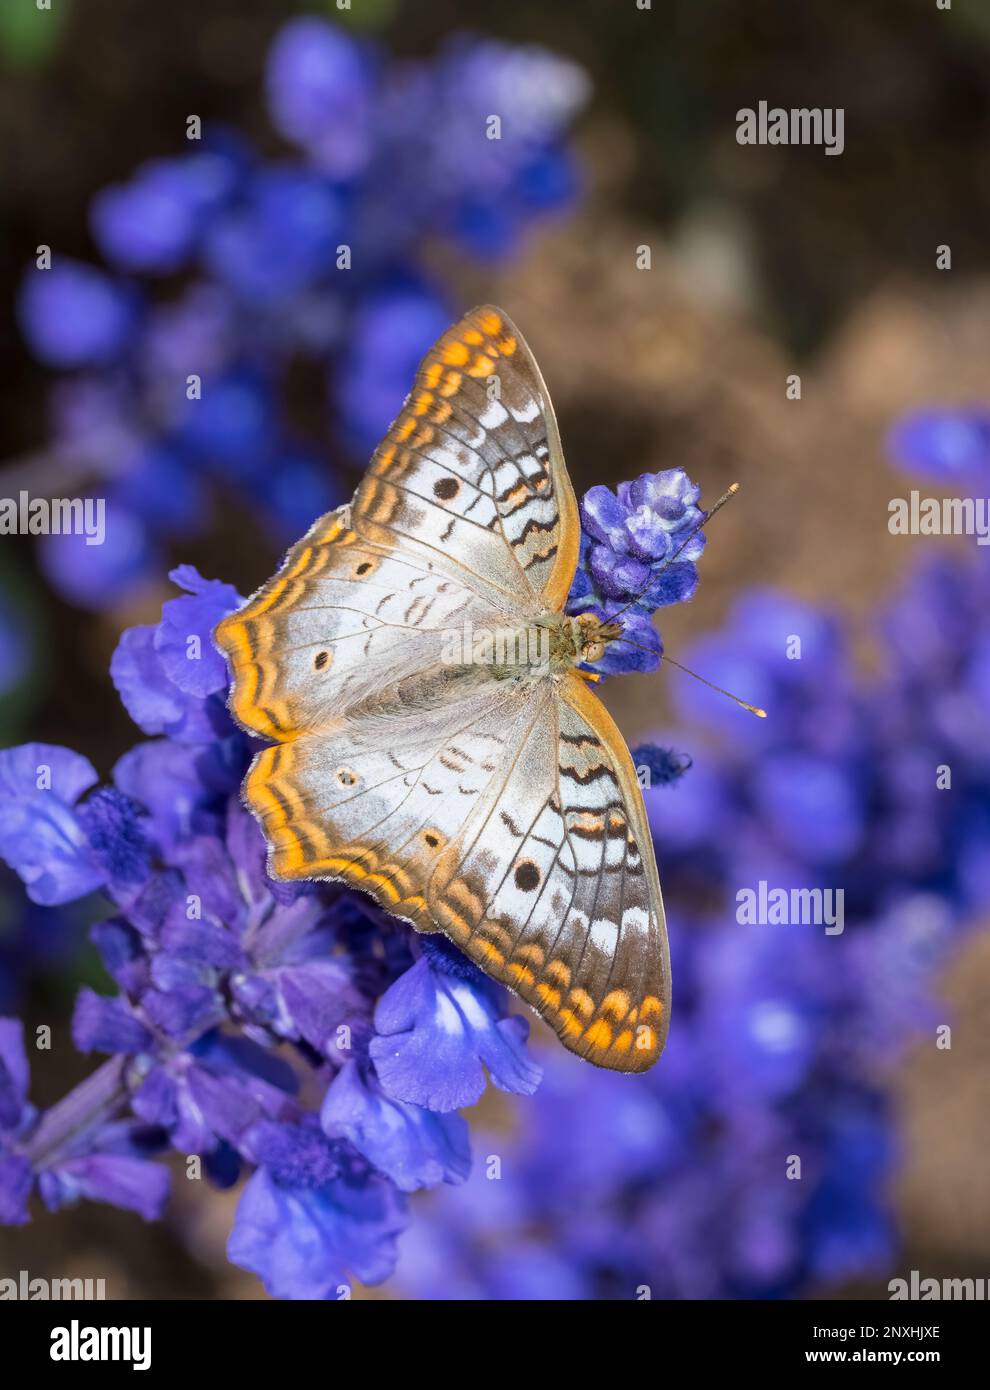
[512,821]
[473,466]
[554,889]
[466,512]
[378,803]
[342,619]
[510,818]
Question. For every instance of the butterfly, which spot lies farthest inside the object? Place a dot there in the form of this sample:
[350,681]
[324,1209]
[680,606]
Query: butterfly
[434,738]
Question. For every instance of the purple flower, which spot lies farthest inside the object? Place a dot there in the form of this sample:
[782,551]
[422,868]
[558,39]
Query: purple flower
[184,639]
[41,835]
[492,187]
[640,528]
[15,648]
[663,766]
[113,825]
[161,487]
[73,315]
[638,547]
[697,810]
[784,656]
[319,82]
[134,1184]
[812,805]
[309,1241]
[847,1224]
[183,787]
[953,444]
[63,1157]
[16,1183]
[170,677]
[16,1115]
[281,237]
[233,429]
[152,223]
[104,1024]
[14,1075]
[390,333]
[296,489]
[411,1145]
[438,1026]
[114,571]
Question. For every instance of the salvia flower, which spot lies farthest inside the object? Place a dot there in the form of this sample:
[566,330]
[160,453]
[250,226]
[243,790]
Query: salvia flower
[638,551]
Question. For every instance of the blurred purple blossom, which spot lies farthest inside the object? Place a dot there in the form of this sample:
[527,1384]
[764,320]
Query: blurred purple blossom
[74,315]
[952,444]
[314,256]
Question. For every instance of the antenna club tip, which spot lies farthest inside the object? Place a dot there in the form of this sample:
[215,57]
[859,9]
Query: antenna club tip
[760,713]
[734,487]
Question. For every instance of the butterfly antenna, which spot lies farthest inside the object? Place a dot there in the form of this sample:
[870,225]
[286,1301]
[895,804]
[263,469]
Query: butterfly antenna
[753,709]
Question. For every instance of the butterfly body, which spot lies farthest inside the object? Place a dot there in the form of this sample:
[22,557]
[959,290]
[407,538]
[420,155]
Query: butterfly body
[434,741]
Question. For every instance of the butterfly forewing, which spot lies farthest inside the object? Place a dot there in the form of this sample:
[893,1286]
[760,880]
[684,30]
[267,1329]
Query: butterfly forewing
[466,515]
[343,618]
[473,465]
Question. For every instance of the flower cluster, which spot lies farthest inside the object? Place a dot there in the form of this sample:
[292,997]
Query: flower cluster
[314,257]
[638,551]
[754,1160]
[240,998]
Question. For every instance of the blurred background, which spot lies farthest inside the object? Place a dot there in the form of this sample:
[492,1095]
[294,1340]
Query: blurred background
[217,258]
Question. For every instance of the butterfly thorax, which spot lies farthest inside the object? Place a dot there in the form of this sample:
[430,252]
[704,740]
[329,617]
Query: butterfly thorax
[550,644]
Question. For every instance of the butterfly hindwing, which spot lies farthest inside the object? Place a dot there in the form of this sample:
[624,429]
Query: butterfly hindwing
[512,824]
[377,806]
[556,893]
